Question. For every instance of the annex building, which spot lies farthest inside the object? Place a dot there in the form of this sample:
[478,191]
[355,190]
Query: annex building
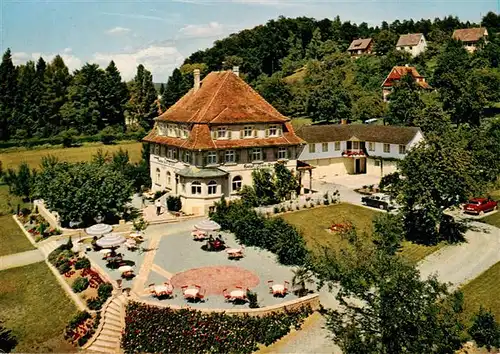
[208,143]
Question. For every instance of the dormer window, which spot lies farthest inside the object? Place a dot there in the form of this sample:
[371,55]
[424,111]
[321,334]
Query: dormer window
[248,132]
[171,130]
[185,133]
[222,133]
[273,130]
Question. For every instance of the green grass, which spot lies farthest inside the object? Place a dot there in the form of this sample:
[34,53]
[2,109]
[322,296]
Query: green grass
[9,202]
[12,238]
[298,122]
[34,306]
[12,159]
[483,290]
[313,223]
[493,219]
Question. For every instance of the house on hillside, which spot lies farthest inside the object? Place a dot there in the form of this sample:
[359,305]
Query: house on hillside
[360,46]
[413,43]
[341,149]
[397,73]
[208,143]
[471,37]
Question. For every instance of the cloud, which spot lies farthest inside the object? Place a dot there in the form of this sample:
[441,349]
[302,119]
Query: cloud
[71,60]
[158,59]
[279,3]
[118,31]
[172,17]
[211,29]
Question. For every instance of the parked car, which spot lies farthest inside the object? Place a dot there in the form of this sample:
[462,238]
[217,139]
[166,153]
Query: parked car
[378,200]
[480,206]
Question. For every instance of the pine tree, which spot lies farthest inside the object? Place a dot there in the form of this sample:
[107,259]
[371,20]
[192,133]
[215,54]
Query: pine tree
[8,93]
[22,122]
[115,96]
[142,104]
[149,101]
[313,48]
[173,89]
[58,79]
[41,106]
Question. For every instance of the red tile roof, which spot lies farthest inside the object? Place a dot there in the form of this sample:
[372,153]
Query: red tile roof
[410,39]
[398,72]
[470,34]
[360,44]
[223,98]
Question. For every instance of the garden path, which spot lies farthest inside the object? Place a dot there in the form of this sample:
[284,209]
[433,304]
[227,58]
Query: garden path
[21,259]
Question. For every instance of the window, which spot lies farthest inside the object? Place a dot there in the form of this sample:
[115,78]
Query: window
[221,133]
[312,148]
[236,183]
[387,148]
[402,149]
[157,180]
[196,187]
[355,145]
[273,130]
[377,163]
[172,154]
[230,156]
[171,130]
[337,146]
[169,178]
[371,146]
[324,147]
[248,132]
[410,47]
[212,187]
[157,149]
[187,157]
[257,154]
[185,133]
[282,153]
[211,158]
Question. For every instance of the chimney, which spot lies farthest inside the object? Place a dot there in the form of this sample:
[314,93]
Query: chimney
[196,73]
[236,70]
[343,121]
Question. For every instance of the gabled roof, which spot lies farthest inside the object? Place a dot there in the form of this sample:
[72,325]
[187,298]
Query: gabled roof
[342,132]
[223,98]
[470,34]
[360,44]
[410,39]
[398,72]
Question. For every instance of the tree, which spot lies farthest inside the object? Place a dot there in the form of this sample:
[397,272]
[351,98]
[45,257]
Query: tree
[368,106]
[21,182]
[174,89]
[143,96]
[285,182]
[313,48]
[329,102]
[405,103]
[57,79]
[7,340]
[263,184]
[275,91]
[485,330]
[115,96]
[384,41]
[8,93]
[388,233]
[302,277]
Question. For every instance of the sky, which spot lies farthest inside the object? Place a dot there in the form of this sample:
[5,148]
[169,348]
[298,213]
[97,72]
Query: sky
[161,34]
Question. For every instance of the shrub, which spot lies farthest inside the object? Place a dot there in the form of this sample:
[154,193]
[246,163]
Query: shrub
[82,263]
[68,137]
[297,207]
[25,211]
[485,330]
[276,210]
[283,209]
[80,284]
[78,318]
[158,194]
[64,267]
[104,291]
[174,203]
[94,303]
[326,202]
[252,300]
[108,135]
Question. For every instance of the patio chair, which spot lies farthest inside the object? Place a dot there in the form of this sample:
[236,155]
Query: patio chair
[201,294]
[270,283]
[286,284]
[151,288]
[226,295]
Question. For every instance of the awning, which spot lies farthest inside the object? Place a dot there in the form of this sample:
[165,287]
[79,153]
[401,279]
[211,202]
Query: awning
[195,172]
[99,229]
[301,165]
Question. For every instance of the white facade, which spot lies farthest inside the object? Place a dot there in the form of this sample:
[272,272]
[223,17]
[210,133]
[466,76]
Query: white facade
[337,158]
[415,50]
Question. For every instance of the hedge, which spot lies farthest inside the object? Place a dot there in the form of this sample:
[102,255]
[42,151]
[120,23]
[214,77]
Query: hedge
[149,329]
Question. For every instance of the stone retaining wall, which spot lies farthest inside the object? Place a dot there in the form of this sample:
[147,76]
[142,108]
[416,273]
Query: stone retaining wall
[51,217]
[311,300]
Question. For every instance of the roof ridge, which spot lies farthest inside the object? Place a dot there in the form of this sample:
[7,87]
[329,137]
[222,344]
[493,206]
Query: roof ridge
[207,106]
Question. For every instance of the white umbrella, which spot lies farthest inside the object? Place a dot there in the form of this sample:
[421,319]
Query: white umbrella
[99,229]
[111,240]
[207,225]
[105,251]
[125,268]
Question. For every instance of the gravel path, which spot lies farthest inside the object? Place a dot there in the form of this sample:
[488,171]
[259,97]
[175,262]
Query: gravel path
[20,259]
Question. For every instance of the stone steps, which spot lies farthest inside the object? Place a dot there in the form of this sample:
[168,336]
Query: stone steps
[109,339]
[46,247]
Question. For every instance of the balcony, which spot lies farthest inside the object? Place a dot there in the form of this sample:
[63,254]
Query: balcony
[353,153]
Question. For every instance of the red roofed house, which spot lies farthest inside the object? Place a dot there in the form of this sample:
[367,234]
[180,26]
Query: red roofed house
[208,143]
[360,46]
[471,37]
[397,73]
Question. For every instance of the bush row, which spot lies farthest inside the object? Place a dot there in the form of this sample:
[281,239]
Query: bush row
[253,229]
[103,293]
[149,329]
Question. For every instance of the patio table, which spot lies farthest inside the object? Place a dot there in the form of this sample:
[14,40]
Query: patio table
[238,294]
[233,251]
[191,292]
[278,288]
[163,289]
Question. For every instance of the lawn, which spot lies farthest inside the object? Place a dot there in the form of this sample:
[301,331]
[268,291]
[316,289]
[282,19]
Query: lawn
[12,238]
[313,223]
[493,219]
[34,306]
[12,159]
[483,290]
[9,202]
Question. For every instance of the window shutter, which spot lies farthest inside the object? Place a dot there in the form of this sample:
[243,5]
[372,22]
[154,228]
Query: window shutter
[205,158]
[264,155]
[213,132]
[289,153]
[241,134]
[275,152]
[229,134]
[237,156]
[280,130]
[255,133]
[221,157]
[267,133]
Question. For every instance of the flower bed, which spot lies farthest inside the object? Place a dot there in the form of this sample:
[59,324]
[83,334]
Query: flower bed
[151,329]
[84,281]
[37,226]
[81,328]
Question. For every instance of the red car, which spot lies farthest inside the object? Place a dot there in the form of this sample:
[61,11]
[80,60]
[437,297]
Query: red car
[480,206]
